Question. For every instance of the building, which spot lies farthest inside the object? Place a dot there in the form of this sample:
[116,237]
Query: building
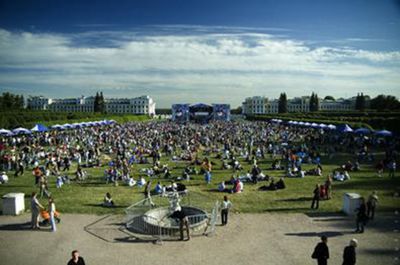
[140,105]
[263,105]
[340,104]
[259,105]
[38,103]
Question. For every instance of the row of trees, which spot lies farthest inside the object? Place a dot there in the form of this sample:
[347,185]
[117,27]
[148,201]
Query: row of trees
[9,101]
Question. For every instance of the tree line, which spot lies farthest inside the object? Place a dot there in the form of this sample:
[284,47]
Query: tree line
[9,101]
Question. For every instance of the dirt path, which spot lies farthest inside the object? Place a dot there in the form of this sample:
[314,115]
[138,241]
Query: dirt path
[248,239]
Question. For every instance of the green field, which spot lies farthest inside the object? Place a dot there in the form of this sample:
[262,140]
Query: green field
[86,197]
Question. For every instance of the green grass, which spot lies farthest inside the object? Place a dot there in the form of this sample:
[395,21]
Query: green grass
[86,197]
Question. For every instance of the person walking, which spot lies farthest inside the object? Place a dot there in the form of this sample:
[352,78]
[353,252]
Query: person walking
[316,197]
[206,165]
[35,211]
[76,259]
[52,210]
[371,205]
[361,219]
[226,206]
[321,251]
[349,253]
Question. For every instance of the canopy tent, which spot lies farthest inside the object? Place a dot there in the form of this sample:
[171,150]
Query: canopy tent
[363,131]
[345,128]
[39,128]
[57,127]
[332,127]
[295,122]
[301,123]
[67,126]
[21,130]
[5,132]
[314,125]
[307,124]
[384,133]
[323,126]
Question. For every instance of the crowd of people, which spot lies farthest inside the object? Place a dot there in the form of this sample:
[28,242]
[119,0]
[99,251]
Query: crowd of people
[63,156]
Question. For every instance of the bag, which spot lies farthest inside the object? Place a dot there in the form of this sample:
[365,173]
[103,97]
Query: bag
[314,254]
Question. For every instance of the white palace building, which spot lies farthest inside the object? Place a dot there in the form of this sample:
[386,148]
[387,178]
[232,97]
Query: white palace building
[141,105]
[263,105]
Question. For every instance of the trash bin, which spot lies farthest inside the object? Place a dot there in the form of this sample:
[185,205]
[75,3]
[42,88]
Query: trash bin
[351,201]
[13,203]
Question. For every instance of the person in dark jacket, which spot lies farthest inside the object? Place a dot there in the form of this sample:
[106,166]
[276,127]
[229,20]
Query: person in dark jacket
[321,251]
[361,219]
[76,259]
[316,197]
[349,253]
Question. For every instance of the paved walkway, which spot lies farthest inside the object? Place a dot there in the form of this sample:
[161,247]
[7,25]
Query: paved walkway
[248,239]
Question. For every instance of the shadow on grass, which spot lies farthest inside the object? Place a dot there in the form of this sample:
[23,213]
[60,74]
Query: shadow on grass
[101,206]
[300,199]
[294,210]
[315,234]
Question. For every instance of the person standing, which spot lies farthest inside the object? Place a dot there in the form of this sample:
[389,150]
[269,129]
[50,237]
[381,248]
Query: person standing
[52,210]
[321,251]
[316,197]
[35,210]
[147,194]
[206,165]
[371,205]
[362,217]
[76,259]
[226,206]
[349,253]
[392,168]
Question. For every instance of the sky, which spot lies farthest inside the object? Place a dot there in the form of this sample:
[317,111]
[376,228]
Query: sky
[211,51]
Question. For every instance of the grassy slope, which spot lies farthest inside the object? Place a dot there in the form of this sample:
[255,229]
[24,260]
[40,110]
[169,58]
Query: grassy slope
[86,197]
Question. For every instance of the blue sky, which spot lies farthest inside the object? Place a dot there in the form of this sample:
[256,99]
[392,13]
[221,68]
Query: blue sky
[192,51]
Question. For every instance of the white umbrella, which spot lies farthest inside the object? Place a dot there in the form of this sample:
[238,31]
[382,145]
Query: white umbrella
[21,130]
[5,132]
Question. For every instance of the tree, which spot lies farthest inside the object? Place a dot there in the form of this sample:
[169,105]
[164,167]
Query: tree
[102,104]
[282,107]
[96,106]
[9,101]
[329,98]
[382,102]
[314,102]
[360,102]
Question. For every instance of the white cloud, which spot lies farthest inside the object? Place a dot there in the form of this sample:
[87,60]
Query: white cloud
[197,66]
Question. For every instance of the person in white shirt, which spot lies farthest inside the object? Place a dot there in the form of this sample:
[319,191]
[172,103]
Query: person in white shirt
[52,210]
[225,207]
[3,178]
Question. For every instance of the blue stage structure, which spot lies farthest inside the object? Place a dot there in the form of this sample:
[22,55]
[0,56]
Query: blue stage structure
[200,113]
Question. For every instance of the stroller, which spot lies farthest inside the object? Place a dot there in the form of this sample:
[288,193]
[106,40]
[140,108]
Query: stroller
[46,217]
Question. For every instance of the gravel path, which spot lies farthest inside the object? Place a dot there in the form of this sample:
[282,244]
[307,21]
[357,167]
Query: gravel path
[248,239]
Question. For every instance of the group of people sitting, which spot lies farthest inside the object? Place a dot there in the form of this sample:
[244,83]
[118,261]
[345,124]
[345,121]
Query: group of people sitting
[279,185]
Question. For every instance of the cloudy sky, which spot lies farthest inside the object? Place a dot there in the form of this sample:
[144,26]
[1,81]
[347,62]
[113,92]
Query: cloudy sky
[200,51]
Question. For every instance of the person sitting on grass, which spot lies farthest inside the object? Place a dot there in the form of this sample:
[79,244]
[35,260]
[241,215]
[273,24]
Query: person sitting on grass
[158,188]
[280,185]
[3,178]
[108,201]
[221,186]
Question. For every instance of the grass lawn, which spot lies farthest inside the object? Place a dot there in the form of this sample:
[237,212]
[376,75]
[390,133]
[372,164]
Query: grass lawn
[86,197]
